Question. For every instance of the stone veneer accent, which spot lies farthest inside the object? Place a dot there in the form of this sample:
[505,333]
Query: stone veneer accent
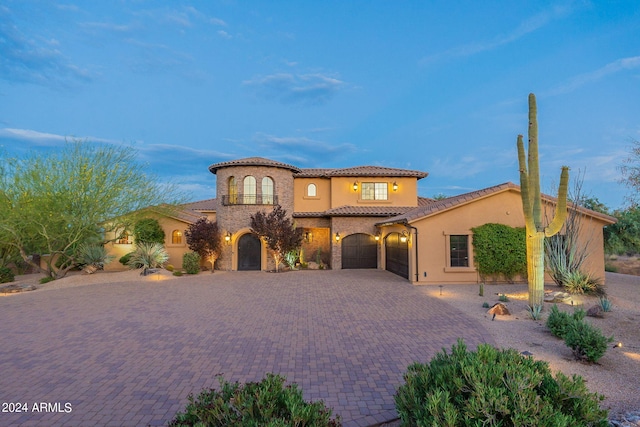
[347,226]
[238,217]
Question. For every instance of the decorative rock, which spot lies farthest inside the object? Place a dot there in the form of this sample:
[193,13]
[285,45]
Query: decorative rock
[499,309]
[595,311]
[556,296]
[312,265]
[12,289]
[90,269]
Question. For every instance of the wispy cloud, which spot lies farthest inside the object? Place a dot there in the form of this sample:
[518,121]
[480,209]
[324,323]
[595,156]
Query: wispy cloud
[34,60]
[36,138]
[155,57]
[224,34]
[185,17]
[298,89]
[526,27]
[301,149]
[107,26]
[622,64]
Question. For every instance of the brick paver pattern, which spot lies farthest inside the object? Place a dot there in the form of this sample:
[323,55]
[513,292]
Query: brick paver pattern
[128,354]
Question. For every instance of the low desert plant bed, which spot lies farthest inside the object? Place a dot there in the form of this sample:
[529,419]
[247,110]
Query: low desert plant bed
[491,387]
[265,403]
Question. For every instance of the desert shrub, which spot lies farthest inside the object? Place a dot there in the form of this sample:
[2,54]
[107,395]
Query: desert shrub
[46,280]
[578,282]
[558,321]
[264,403]
[191,263]
[95,255]
[169,267]
[587,342]
[610,268]
[148,255]
[177,273]
[6,275]
[494,387]
[124,259]
[605,304]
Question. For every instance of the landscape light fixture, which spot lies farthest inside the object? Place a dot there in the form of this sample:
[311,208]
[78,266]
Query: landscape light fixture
[395,186]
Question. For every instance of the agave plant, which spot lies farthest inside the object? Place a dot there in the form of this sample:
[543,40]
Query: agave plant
[148,255]
[94,255]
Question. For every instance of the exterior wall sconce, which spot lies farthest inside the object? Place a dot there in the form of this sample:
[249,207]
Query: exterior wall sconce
[227,238]
[404,237]
[308,237]
[337,237]
[355,186]
[395,186]
[377,237]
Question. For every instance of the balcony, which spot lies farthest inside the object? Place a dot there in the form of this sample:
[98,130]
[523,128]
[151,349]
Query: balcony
[249,199]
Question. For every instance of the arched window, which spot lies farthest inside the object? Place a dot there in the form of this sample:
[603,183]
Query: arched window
[249,190]
[176,237]
[312,190]
[267,191]
[232,190]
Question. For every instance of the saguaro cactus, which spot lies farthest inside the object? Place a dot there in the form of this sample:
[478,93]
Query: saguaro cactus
[532,206]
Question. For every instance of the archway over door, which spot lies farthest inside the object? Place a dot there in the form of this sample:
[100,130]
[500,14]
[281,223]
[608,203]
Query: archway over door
[396,255]
[359,251]
[249,252]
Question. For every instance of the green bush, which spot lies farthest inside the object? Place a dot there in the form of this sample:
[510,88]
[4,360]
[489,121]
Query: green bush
[586,341]
[6,275]
[558,321]
[124,259]
[46,280]
[148,230]
[500,250]
[191,263]
[494,387]
[265,403]
[177,273]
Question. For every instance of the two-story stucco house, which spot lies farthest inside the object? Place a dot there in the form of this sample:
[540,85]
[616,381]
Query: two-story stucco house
[358,217]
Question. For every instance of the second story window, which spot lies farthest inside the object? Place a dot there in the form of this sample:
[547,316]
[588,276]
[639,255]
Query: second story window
[374,191]
[233,190]
[312,190]
[267,191]
[249,190]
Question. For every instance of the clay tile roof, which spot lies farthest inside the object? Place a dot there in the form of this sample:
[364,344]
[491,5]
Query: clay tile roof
[452,202]
[314,173]
[252,161]
[202,205]
[424,201]
[368,210]
[179,212]
[377,171]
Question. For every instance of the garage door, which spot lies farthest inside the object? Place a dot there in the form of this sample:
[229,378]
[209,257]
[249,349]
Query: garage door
[359,251]
[396,255]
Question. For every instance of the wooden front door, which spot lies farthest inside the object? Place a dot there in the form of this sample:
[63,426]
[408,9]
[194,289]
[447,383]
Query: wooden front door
[249,252]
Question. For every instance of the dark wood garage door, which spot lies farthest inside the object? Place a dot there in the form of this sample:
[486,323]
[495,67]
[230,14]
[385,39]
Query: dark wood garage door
[397,255]
[359,251]
[249,252]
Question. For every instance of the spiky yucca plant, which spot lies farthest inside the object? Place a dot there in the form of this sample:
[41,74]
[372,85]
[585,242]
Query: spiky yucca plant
[148,255]
[94,255]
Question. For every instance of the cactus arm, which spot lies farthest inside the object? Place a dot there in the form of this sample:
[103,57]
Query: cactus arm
[561,206]
[534,166]
[524,186]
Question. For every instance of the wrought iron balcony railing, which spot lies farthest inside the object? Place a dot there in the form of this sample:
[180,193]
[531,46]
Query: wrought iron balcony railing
[249,199]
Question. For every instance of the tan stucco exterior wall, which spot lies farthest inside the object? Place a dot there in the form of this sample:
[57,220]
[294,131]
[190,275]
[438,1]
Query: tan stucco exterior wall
[303,203]
[343,194]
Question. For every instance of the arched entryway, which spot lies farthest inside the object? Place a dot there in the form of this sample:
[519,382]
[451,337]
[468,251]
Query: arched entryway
[397,255]
[249,252]
[359,251]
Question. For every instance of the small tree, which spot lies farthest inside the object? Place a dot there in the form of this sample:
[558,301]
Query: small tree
[51,203]
[203,237]
[148,230]
[278,231]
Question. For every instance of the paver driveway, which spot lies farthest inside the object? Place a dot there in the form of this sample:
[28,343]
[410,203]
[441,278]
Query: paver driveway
[128,354]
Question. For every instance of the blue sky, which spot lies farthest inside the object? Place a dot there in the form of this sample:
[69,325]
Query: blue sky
[437,86]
